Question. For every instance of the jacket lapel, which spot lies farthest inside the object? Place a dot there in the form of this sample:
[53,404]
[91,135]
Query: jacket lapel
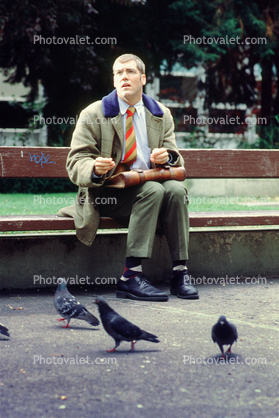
[110,108]
[153,113]
[118,126]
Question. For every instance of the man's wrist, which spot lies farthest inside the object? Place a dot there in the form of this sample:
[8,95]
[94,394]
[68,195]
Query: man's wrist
[96,177]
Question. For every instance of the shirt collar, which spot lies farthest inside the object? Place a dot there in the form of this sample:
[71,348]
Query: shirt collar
[124,106]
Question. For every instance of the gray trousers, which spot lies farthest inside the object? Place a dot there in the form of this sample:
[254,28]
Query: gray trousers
[143,205]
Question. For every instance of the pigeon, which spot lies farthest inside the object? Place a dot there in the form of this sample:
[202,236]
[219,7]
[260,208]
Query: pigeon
[68,306]
[224,333]
[4,330]
[119,328]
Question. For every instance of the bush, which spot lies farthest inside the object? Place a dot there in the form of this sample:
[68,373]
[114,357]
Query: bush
[268,136]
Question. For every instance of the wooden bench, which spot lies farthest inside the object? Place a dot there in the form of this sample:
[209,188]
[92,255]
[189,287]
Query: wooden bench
[49,162]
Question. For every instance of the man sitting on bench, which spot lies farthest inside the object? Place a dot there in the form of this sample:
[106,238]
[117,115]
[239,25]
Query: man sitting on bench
[129,130]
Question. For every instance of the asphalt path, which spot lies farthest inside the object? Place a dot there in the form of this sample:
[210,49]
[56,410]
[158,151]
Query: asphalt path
[50,372]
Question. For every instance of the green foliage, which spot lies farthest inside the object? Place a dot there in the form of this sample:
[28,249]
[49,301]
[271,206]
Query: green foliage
[269,135]
[74,75]
[229,67]
[198,138]
[67,70]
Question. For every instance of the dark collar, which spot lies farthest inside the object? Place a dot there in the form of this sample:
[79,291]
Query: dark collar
[110,105]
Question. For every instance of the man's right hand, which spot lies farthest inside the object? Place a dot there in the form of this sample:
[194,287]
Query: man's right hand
[103,165]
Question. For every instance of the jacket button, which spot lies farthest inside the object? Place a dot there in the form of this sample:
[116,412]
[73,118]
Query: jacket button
[114,154]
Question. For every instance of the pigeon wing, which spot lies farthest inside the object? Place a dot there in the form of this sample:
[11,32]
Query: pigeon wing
[82,313]
[125,329]
[235,332]
[67,306]
[213,336]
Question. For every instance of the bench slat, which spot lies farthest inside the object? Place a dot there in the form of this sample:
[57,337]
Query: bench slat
[49,162]
[236,218]
[33,162]
[48,222]
[197,219]
[215,163]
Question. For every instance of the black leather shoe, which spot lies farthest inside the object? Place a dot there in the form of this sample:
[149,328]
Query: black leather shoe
[181,286]
[138,288]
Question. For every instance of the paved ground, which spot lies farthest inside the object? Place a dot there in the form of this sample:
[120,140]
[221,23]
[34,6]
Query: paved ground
[47,371]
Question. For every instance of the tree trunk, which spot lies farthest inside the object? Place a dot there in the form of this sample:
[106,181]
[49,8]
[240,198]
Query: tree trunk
[276,100]
[266,93]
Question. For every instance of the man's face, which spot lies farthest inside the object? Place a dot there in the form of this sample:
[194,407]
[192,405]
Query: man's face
[128,83]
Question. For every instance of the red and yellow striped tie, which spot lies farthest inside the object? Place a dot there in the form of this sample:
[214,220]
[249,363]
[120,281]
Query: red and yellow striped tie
[130,138]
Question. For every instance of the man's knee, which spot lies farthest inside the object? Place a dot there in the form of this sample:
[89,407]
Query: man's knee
[153,189]
[175,189]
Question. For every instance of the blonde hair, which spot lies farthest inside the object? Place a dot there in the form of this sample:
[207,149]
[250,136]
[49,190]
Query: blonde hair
[130,57]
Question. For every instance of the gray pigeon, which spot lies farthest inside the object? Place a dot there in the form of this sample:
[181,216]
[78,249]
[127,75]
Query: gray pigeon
[119,328]
[68,307]
[224,333]
[4,330]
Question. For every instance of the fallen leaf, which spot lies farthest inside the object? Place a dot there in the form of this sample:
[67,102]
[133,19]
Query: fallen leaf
[16,309]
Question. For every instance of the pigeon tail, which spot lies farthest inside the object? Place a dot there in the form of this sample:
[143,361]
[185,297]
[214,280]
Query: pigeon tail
[88,317]
[95,322]
[149,337]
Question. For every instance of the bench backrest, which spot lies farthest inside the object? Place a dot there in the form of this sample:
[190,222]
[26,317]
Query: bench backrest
[49,162]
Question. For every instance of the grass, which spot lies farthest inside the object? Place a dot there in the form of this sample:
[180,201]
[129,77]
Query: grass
[232,203]
[29,204]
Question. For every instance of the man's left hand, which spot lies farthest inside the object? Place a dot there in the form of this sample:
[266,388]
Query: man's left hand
[159,156]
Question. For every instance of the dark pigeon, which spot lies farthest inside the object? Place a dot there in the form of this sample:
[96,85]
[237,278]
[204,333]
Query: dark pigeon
[119,328]
[224,333]
[4,331]
[68,306]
